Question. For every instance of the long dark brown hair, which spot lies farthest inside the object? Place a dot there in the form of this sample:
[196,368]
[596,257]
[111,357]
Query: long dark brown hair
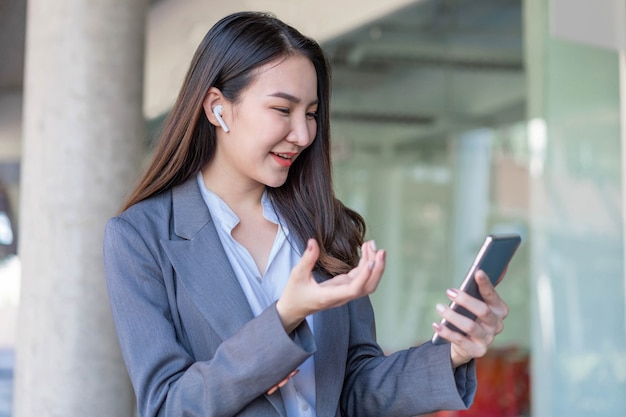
[226,59]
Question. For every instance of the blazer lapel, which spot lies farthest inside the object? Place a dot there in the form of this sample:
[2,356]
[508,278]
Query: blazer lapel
[202,266]
[201,263]
[331,328]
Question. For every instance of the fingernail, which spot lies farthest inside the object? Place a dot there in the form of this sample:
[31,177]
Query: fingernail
[373,245]
[440,308]
[309,244]
[371,265]
[452,293]
[437,326]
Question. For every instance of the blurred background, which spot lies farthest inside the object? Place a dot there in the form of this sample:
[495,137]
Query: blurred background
[451,120]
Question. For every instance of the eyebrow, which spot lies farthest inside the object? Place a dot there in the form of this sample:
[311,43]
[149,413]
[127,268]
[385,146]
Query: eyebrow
[288,97]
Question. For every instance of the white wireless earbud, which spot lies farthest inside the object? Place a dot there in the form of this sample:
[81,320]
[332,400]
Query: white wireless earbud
[217,111]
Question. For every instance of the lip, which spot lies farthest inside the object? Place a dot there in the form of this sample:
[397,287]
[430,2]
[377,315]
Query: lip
[284,159]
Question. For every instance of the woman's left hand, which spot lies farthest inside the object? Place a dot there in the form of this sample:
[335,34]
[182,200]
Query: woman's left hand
[479,333]
[303,295]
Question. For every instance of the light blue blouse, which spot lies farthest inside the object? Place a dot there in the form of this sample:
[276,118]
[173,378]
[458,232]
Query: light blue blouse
[264,288]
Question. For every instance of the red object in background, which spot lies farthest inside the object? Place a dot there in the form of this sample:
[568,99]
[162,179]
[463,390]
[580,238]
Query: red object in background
[503,386]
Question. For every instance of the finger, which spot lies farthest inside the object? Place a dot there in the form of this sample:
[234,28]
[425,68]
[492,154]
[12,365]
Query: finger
[490,295]
[485,314]
[359,281]
[475,306]
[365,277]
[374,259]
[357,274]
[370,252]
[305,266]
[450,335]
[488,323]
[463,348]
[490,303]
[486,288]
[343,288]
[367,255]
[283,382]
[377,272]
[471,328]
[370,256]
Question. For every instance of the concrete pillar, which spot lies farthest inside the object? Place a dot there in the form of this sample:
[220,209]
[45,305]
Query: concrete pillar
[83,134]
[471,196]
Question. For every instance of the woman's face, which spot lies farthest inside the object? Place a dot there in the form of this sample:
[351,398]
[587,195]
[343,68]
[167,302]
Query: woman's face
[273,121]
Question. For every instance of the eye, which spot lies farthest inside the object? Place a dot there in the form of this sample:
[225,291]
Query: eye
[282,110]
[312,115]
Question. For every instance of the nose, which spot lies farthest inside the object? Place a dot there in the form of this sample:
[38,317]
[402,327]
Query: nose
[302,131]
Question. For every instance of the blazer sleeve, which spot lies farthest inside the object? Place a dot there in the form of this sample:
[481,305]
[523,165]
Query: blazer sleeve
[166,378]
[410,382]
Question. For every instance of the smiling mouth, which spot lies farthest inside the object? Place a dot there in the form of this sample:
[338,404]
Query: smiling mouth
[283,159]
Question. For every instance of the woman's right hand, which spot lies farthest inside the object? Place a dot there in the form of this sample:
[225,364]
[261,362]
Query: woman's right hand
[304,296]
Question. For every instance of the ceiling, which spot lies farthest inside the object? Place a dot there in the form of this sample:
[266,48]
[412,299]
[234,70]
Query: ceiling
[427,71]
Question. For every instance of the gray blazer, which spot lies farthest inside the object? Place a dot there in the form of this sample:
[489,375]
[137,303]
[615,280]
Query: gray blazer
[192,346]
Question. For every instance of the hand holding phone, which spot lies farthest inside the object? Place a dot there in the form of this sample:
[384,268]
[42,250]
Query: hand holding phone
[492,258]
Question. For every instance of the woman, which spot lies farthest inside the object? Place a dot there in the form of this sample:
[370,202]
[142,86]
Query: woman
[238,282]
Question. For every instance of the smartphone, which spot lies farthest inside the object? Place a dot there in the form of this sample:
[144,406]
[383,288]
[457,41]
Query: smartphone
[493,258]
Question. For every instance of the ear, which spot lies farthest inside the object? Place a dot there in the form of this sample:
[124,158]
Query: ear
[213,98]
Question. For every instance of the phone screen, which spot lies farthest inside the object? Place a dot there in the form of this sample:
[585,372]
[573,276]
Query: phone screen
[493,258]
